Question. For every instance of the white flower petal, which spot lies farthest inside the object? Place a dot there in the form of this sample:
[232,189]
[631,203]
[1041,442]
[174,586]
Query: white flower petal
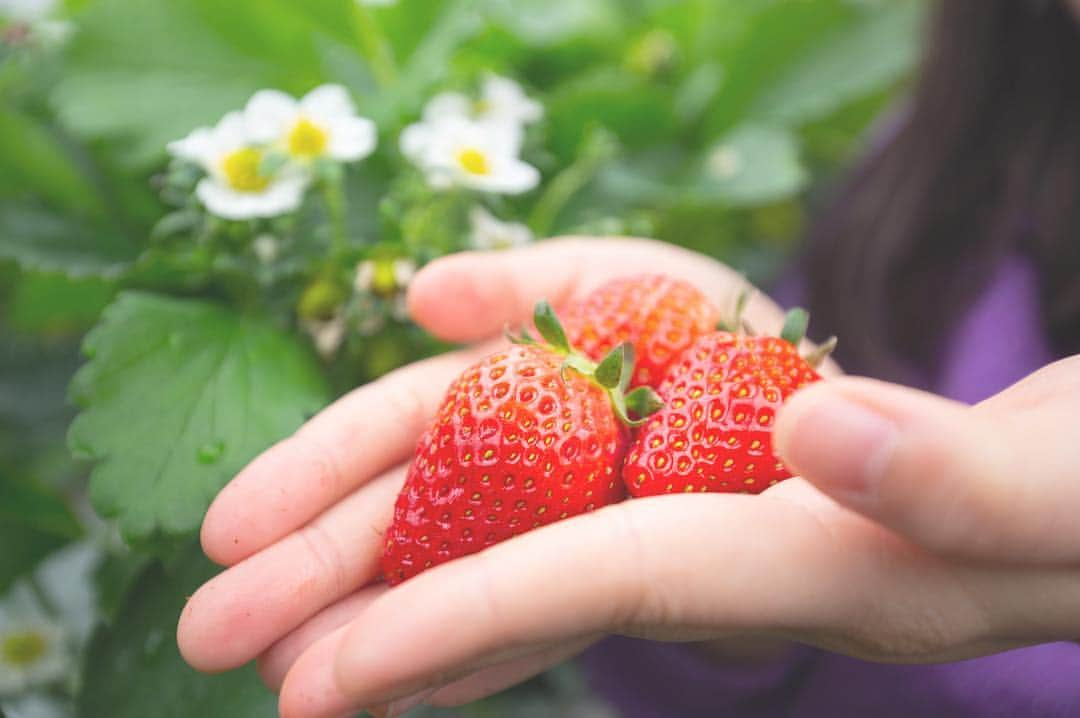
[268,114]
[447,104]
[231,132]
[327,101]
[507,101]
[437,149]
[502,136]
[281,197]
[351,138]
[27,10]
[489,232]
[415,140]
[199,146]
[510,176]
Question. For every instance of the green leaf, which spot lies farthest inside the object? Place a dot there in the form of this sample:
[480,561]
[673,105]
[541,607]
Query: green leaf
[145,73]
[547,22]
[754,164]
[57,303]
[751,165]
[636,111]
[39,240]
[428,62]
[133,668]
[34,159]
[34,522]
[772,37]
[858,60]
[177,396]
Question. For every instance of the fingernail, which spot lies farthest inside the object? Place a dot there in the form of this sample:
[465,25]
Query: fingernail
[839,444]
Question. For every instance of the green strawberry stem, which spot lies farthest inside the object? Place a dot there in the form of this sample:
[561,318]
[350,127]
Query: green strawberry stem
[612,373]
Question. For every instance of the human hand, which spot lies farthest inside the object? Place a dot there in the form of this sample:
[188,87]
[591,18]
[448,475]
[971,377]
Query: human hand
[991,488]
[998,482]
[301,527]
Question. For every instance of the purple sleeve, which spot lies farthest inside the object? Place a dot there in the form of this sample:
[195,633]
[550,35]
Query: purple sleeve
[999,342]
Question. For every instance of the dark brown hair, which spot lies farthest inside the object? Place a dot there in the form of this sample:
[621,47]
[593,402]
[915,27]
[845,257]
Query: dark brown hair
[986,161]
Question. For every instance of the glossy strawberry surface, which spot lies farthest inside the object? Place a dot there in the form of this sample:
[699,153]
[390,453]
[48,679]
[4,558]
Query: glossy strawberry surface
[515,445]
[715,430]
[659,315]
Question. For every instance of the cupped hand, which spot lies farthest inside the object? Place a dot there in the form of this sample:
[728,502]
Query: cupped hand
[300,529]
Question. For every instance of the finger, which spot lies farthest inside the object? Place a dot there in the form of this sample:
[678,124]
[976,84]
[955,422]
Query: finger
[485,682]
[658,566]
[353,440]
[243,611]
[309,689]
[279,658]
[471,295]
[684,568]
[980,483]
[490,681]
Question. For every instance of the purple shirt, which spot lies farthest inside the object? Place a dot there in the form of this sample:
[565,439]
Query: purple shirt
[999,341]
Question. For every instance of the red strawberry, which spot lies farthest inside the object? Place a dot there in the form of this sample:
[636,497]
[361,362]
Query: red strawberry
[659,315]
[714,432]
[525,437]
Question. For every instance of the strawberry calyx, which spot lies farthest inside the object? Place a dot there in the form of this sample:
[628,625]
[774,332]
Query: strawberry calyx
[793,331]
[613,373]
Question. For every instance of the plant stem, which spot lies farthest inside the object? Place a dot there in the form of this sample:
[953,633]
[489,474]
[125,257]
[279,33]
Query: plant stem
[334,195]
[374,44]
[598,148]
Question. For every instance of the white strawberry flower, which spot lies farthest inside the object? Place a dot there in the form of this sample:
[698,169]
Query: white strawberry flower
[37,19]
[32,653]
[326,334]
[502,101]
[458,152]
[236,186]
[27,11]
[488,232]
[322,124]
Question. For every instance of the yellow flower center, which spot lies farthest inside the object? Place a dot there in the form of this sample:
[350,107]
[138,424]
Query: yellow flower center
[241,170]
[306,139]
[23,648]
[473,161]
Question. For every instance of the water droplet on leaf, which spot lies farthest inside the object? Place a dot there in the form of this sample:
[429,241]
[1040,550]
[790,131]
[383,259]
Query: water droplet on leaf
[211,451]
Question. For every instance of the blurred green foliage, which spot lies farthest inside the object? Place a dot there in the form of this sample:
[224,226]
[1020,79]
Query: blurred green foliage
[703,122]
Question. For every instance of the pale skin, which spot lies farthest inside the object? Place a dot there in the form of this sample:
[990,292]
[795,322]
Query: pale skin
[924,530]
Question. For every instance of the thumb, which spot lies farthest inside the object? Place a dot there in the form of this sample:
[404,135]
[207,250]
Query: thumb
[974,482]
